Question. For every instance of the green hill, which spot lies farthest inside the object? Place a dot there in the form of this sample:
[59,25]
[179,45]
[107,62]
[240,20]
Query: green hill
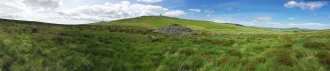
[154,22]
[129,45]
[285,29]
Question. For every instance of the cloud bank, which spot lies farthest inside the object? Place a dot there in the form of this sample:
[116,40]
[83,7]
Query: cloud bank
[51,11]
[195,10]
[150,1]
[110,11]
[303,5]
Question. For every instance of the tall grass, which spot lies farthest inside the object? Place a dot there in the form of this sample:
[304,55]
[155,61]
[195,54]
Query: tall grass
[134,48]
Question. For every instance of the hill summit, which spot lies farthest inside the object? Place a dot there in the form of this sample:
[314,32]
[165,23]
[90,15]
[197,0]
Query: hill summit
[155,22]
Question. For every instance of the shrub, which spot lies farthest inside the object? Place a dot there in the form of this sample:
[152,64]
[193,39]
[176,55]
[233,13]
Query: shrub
[64,34]
[299,54]
[222,59]
[175,25]
[154,38]
[172,51]
[2,44]
[221,42]
[235,53]
[244,61]
[229,43]
[283,56]
[287,45]
[261,59]
[187,51]
[286,59]
[35,30]
[7,63]
[260,47]
[251,66]
[324,57]
[314,44]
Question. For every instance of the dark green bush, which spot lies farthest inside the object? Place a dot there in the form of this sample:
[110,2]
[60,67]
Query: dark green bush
[261,47]
[261,59]
[2,44]
[324,57]
[154,38]
[286,59]
[251,66]
[172,51]
[187,51]
[216,41]
[222,59]
[244,61]
[299,54]
[7,63]
[175,25]
[235,53]
[287,45]
[228,42]
[314,44]
[283,56]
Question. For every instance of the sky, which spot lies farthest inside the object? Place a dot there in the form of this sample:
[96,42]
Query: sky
[259,13]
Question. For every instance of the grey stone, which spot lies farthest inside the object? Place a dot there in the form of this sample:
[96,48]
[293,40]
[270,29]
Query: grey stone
[175,30]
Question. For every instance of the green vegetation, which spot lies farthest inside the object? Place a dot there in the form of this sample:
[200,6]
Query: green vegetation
[154,22]
[130,45]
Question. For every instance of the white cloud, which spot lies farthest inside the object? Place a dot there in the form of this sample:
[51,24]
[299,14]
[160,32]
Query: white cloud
[292,18]
[175,13]
[110,11]
[263,18]
[150,1]
[302,5]
[251,21]
[18,9]
[45,4]
[53,11]
[317,26]
[194,10]
[208,16]
[208,11]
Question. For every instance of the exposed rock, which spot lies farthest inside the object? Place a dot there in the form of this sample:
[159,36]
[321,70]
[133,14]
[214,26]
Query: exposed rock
[175,30]
[35,30]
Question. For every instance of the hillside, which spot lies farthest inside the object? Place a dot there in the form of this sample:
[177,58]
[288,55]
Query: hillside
[154,22]
[285,29]
[129,45]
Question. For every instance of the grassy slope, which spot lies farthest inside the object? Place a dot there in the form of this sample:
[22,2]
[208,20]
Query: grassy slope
[154,22]
[134,48]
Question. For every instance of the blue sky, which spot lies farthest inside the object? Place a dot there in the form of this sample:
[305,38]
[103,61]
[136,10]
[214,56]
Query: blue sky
[260,13]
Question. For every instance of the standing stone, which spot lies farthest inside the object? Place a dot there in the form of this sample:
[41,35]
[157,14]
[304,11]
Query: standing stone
[35,30]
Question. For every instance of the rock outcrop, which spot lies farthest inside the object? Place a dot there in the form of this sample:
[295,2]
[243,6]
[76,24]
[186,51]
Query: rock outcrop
[35,30]
[175,30]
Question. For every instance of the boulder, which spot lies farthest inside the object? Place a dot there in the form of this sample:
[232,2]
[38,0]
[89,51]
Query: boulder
[35,30]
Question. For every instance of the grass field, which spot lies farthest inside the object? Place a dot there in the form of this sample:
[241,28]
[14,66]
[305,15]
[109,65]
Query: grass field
[129,45]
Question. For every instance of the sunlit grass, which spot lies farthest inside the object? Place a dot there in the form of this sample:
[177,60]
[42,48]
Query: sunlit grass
[135,48]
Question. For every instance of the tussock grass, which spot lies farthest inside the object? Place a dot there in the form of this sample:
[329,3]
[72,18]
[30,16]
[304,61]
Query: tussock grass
[315,45]
[129,45]
[324,57]
[283,56]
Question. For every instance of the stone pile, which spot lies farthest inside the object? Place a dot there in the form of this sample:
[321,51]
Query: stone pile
[175,30]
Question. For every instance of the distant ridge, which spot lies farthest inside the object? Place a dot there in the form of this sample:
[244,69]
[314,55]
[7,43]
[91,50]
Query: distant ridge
[23,22]
[154,22]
